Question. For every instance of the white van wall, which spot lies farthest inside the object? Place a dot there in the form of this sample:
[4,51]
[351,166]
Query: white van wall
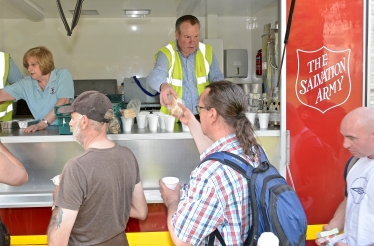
[111,49]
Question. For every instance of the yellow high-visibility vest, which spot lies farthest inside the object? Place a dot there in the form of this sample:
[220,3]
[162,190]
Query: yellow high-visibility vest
[6,108]
[175,75]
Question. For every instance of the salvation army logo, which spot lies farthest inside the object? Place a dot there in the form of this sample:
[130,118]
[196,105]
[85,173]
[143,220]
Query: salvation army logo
[323,81]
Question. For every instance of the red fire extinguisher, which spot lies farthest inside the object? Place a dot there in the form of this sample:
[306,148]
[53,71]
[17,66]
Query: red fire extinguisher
[259,62]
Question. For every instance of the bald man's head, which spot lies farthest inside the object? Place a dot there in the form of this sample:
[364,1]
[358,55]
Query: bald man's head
[357,128]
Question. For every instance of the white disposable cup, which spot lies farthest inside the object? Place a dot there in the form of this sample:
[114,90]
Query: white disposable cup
[170,182]
[127,124]
[152,122]
[185,128]
[263,119]
[140,119]
[146,120]
[169,123]
[251,117]
[268,239]
[161,120]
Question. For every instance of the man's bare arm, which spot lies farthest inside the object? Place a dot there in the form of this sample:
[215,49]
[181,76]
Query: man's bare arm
[12,172]
[60,226]
[139,208]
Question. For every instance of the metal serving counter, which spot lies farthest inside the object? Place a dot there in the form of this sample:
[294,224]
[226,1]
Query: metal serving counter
[159,154]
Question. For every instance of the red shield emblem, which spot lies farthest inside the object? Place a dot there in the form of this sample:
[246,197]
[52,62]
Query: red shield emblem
[323,80]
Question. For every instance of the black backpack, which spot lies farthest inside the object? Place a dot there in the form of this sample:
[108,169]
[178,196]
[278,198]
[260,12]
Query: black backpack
[275,205]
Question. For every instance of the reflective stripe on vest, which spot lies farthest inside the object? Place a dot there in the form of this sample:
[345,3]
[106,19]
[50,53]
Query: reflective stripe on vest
[2,69]
[178,81]
[203,58]
[8,110]
[6,107]
[170,79]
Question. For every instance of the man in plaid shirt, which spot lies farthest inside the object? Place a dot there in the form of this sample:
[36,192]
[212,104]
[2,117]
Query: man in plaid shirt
[216,196]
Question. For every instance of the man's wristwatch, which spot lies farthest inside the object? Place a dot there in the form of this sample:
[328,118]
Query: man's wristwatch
[45,121]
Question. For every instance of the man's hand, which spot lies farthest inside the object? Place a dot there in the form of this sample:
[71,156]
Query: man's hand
[165,90]
[170,197]
[341,244]
[322,241]
[187,115]
[37,127]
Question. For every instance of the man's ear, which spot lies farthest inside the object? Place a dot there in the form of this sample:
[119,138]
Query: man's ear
[213,115]
[84,122]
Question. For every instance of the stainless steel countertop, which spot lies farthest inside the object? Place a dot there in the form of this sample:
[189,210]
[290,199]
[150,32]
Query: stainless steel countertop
[45,152]
[50,134]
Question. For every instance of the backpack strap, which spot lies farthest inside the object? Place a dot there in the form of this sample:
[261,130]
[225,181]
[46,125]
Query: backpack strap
[347,168]
[349,165]
[219,237]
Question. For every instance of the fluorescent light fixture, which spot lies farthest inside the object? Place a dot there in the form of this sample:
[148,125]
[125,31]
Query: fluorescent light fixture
[137,12]
[86,12]
[26,8]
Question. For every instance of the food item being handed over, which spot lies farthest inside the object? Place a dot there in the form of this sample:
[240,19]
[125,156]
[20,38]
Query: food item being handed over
[174,109]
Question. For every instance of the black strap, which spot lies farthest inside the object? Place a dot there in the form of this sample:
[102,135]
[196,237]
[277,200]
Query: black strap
[219,237]
[77,13]
[348,166]
[352,161]
[4,234]
[144,90]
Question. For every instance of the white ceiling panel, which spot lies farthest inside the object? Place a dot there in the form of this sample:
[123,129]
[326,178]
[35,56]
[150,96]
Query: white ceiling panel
[159,8]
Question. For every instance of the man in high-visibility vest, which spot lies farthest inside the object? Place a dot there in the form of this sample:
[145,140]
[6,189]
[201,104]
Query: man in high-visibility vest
[9,73]
[185,66]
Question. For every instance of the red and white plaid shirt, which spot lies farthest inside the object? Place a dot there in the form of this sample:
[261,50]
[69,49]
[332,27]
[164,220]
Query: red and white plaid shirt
[216,197]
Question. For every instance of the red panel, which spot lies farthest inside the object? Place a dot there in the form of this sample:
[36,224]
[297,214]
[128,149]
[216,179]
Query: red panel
[324,82]
[34,221]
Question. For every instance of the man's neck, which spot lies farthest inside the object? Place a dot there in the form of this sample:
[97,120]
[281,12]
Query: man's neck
[99,141]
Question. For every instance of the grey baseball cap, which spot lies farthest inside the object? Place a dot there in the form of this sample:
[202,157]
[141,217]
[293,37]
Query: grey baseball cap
[93,104]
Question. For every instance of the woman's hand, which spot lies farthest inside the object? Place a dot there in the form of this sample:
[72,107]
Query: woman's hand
[37,127]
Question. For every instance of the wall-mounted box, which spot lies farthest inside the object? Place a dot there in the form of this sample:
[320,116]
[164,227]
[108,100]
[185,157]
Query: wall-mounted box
[236,63]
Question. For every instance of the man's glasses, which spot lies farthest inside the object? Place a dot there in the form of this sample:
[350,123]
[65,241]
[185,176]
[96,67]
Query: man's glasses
[198,109]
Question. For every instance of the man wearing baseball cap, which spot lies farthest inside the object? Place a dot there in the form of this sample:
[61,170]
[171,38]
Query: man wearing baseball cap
[100,189]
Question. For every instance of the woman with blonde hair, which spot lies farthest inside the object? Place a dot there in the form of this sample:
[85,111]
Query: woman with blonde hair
[45,88]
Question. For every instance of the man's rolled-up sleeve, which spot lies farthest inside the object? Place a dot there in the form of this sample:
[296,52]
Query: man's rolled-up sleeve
[199,214]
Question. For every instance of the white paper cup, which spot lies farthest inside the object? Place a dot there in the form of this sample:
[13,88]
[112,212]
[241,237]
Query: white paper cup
[170,182]
[185,128]
[268,239]
[169,123]
[146,120]
[152,122]
[159,116]
[140,119]
[263,119]
[251,117]
[127,124]
[161,120]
